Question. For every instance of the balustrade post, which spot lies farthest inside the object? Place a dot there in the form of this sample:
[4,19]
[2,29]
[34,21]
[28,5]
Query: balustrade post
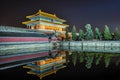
[82,45]
[69,45]
[111,46]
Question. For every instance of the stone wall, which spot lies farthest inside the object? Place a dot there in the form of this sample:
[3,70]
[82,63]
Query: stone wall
[92,46]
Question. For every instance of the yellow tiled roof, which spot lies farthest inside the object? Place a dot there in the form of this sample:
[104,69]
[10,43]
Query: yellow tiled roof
[41,13]
[46,73]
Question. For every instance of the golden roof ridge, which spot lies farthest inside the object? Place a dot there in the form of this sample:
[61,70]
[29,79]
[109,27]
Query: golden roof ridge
[40,12]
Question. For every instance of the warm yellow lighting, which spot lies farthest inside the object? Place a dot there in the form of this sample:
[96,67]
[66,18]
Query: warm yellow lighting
[32,27]
[53,28]
[42,27]
[46,22]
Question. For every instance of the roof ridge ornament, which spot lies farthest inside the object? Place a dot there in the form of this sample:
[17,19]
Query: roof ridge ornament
[54,14]
[39,11]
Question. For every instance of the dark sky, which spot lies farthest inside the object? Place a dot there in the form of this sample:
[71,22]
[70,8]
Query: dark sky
[76,12]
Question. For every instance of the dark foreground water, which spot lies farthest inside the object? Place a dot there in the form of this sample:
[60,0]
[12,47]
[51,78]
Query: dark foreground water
[89,66]
[71,72]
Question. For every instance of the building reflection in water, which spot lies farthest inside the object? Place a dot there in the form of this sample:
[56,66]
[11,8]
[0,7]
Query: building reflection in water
[47,66]
[52,64]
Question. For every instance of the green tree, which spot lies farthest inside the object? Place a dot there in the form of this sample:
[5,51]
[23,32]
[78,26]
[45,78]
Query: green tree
[117,62]
[89,32]
[74,58]
[67,34]
[98,34]
[107,59]
[74,36]
[107,34]
[81,34]
[89,60]
[98,58]
[116,34]
[81,57]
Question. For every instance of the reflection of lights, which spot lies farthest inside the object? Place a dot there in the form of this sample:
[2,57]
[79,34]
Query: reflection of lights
[46,66]
[70,52]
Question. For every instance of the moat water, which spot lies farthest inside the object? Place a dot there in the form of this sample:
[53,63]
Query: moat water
[80,66]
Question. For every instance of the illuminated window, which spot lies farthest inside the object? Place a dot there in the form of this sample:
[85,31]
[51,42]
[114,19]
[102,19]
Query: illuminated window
[32,27]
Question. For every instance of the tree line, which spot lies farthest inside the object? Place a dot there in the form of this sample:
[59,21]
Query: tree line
[90,34]
[93,58]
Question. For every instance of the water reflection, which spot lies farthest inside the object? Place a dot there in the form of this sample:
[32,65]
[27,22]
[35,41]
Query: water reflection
[61,59]
[95,58]
[49,65]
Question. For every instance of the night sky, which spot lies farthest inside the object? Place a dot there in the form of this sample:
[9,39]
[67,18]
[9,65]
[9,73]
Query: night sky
[77,12]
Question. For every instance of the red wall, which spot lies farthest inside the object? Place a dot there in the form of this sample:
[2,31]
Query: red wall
[22,39]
